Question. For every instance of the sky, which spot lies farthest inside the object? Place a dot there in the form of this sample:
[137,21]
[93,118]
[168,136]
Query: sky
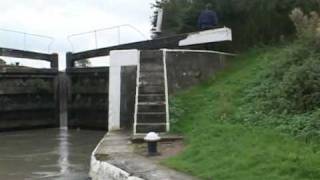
[61,18]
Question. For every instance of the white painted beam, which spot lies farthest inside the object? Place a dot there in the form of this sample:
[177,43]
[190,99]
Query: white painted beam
[208,36]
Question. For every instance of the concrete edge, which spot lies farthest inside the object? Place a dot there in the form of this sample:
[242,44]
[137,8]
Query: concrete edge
[101,170]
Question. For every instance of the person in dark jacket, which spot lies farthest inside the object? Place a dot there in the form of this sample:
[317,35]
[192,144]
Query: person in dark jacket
[208,18]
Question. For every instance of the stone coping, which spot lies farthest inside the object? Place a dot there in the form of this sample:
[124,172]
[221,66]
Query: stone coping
[114,159]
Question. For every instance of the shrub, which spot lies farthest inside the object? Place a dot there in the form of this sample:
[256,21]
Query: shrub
[286,95]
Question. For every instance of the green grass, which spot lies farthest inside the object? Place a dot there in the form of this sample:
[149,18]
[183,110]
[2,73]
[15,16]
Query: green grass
[220,148]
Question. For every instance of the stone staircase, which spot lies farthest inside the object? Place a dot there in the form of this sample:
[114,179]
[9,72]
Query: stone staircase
[151,100]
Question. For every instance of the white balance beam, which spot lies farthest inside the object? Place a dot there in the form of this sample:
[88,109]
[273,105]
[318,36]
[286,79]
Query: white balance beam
[208,36]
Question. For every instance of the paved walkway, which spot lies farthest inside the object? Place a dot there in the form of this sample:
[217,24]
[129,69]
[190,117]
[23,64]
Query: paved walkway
[116,149]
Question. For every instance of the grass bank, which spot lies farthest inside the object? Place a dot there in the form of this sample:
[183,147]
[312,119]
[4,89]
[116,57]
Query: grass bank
[222,145]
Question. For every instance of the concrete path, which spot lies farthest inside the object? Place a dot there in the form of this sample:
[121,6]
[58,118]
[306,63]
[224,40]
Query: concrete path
[115,158]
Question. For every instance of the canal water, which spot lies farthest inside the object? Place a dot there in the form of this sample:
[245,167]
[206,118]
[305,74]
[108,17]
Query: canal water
[54,154]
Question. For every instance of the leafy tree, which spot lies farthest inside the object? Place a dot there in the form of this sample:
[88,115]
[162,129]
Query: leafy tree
[83,63]
[173,13]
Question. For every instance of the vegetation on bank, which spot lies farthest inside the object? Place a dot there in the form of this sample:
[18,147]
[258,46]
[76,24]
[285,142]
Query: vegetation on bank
[258,119]
[252,21]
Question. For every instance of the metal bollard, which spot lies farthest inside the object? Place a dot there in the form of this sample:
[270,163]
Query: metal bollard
[152,139]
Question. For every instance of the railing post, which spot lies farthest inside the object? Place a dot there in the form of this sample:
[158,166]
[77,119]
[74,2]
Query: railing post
[24,41]
[119,35]
[96,39]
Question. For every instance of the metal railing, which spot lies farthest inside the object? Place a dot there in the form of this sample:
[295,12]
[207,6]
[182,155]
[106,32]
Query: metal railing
[25,35]
[94,32]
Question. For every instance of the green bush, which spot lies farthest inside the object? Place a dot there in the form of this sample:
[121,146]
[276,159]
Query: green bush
[286,93]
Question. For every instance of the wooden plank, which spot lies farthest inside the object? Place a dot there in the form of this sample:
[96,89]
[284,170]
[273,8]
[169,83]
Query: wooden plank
[87,107]
[15,53]
[91,92]
[28,107]
[95,70]
[24,54]
[7,69]
[22,90]
[19,76]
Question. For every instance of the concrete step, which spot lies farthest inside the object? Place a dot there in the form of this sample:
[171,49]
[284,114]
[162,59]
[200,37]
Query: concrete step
[151,108]
[152,74]
[151,103]
[152,60]
[146,128]
[151,117]
[151,89]
[151,57]
[151,97]
[150,81]
[153,67]
[152,77]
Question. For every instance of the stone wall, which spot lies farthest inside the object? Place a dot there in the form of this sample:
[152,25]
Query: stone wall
[189,68]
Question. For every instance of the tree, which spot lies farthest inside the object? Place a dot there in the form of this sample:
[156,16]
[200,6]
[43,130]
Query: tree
[173,11]
[83,63]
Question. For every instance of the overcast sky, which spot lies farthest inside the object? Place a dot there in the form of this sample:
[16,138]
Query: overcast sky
[60,18]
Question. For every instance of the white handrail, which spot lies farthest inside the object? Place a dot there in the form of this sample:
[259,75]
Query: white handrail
[25,34]
[164,54]
[118,28]
[137,97]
